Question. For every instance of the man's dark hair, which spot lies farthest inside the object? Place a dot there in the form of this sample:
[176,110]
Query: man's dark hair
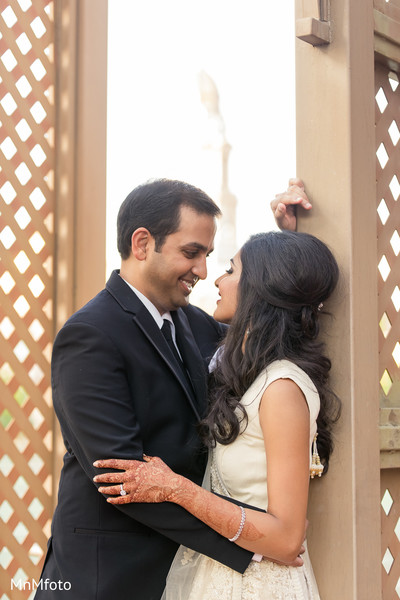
[156,205]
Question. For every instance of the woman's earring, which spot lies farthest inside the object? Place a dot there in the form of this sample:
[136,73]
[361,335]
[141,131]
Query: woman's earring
[316,466]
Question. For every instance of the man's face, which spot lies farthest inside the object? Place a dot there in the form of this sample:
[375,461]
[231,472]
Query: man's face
[171,274]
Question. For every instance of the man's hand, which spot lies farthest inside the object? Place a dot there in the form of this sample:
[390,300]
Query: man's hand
[284,206]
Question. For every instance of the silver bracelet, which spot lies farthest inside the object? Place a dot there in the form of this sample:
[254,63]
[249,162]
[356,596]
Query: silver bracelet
[241,525]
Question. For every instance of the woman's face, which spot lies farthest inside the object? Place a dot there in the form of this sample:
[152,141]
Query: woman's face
[227,286]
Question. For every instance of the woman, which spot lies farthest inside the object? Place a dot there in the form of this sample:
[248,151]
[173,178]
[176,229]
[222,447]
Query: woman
[269,398]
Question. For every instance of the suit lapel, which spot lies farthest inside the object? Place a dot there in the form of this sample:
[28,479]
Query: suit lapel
[143,319]
[192,358]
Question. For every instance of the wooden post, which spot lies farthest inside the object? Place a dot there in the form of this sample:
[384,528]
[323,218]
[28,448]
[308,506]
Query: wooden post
[336,159]
[81,165]
[81,92]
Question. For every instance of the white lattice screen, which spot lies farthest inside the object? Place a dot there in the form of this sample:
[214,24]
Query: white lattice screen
[388,191]
[388,206]
[26,286]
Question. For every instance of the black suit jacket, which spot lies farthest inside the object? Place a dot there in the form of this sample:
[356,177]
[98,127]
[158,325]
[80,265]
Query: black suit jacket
[118,393]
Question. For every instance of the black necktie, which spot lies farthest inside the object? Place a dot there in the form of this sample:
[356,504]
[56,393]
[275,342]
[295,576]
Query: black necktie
[167,333]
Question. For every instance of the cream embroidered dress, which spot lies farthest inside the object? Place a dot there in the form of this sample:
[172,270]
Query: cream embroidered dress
[239,470]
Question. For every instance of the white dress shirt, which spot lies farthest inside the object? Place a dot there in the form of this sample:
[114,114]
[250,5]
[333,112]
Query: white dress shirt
[155,313]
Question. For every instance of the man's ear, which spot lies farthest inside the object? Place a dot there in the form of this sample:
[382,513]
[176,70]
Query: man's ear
[140,243]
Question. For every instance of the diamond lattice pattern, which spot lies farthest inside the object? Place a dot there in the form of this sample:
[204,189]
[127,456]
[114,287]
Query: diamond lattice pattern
[26,253]
[388,209]
[390,511]
[388,217]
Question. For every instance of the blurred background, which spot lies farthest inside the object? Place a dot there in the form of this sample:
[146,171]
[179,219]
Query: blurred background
[203,92]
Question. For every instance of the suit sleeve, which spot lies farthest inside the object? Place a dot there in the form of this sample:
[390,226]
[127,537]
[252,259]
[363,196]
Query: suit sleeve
[92,401]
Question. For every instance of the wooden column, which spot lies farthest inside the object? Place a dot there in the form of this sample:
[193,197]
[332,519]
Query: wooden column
[81,166]
[336,159]
[81,57]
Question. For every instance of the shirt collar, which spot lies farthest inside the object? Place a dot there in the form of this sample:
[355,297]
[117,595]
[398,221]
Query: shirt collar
[159,319]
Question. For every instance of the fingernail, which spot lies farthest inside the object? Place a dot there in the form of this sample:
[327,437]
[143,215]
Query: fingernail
[96,462]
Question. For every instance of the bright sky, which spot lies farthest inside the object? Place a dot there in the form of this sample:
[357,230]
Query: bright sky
[157,125]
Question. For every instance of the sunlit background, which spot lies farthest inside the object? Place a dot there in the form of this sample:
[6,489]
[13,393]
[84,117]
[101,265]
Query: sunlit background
[189,83]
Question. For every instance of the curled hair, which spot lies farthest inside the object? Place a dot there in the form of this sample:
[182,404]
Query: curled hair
[156,206]
[285,278]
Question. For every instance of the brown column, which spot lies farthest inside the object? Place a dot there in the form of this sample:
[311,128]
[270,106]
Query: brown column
[81,166]
[336,159]
[80,183]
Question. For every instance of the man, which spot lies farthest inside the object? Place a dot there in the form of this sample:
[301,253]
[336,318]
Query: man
[122,387]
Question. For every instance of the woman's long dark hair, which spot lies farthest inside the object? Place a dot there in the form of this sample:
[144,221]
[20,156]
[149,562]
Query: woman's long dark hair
[285,278]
